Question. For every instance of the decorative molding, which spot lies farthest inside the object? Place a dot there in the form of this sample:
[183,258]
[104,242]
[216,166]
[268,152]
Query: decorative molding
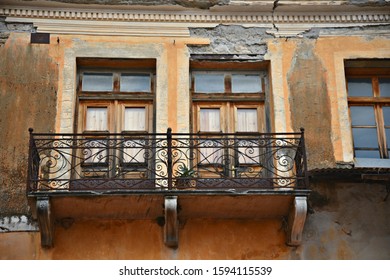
[176,23]
[296,221]
[106,28]
[171,227]
[199,17]
[45,221]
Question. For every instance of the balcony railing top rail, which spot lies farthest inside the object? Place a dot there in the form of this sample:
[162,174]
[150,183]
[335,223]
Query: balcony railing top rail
[166,161]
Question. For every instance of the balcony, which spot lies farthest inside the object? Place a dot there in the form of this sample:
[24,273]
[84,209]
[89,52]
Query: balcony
[241,162]
[170,175]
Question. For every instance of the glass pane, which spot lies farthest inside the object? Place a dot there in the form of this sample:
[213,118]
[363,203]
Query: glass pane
[210,120]
[135,83]
[95,151]
[248,151]
[97,82]
[210,83]
[386,115]
[247,120]
[246,83]
[213,153]
[359,87]
[362,115]
[367,154]
[134,151]
[96,119]
[365,138]
[384,87]
[135,119]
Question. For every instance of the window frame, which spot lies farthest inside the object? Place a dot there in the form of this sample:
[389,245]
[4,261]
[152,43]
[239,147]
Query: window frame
[377,103]
[228,102]
[115,93]
[116,102]
[228,94]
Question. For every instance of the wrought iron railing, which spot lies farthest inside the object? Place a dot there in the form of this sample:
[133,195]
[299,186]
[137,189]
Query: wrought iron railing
[167,161]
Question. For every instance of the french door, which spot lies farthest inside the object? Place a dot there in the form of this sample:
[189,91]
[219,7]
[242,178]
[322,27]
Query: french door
[116,142]
[228,144]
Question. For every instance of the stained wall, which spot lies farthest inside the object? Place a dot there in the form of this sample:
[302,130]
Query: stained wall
[307,89]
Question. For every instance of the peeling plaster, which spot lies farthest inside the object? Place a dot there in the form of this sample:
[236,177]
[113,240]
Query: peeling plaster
[369,3]
[199,4]
[17,223]
[315,33]
[7,27]
[232,39]
[310,104]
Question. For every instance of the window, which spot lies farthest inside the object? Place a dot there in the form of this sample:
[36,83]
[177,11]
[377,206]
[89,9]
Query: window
[228,102]
[369,108]
[114,104]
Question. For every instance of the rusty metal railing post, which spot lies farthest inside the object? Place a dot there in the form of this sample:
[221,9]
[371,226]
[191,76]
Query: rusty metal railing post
[169,155]
[29,164]
[304,159]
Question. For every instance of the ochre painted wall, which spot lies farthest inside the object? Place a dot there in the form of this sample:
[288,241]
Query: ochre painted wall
[143,239]
[345,221]
[307,88]
[28,98]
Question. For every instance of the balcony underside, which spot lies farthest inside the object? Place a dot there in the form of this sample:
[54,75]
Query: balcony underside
[151,206]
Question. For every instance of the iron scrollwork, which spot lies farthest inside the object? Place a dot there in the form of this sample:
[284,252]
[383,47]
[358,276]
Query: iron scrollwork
[63,162]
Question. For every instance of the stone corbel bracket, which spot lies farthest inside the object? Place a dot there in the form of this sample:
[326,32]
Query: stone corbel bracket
[45,221]
[171,227]
[296,221]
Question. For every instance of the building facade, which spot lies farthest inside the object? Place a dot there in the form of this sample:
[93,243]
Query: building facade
[194,129]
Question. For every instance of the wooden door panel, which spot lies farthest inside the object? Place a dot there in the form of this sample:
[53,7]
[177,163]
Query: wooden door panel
[220,156]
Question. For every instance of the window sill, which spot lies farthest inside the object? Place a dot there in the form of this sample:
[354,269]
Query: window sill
[372,162]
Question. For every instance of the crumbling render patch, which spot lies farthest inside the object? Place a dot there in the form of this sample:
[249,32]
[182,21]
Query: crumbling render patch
[232,39]
[17,223]
[7,27]
[310,104]
[368,31]
[200,4]
[368,3]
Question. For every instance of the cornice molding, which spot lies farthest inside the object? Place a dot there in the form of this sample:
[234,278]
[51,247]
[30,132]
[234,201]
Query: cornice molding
[109,28]
[206,16]
[175,23]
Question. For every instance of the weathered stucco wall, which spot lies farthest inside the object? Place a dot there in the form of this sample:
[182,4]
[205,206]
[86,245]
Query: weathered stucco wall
[309,103]
[143,239]
[307,80]
[314,85]
[307,86]
[346,221]
[28,94]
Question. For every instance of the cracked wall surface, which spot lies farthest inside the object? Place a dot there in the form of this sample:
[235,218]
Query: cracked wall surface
[204,4]
[345,221]
[199,4]
[232,39]
[315,33]
[6,28]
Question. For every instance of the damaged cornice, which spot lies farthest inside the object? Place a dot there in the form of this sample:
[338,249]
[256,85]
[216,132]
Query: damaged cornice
[281,18]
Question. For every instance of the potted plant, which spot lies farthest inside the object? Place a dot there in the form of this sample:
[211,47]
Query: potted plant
[184,178]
